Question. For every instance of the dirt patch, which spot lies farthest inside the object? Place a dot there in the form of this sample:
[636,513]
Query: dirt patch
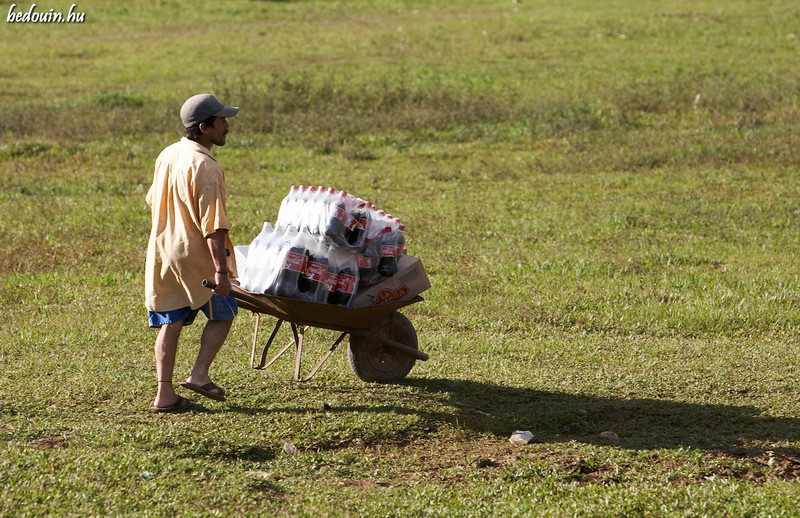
[49,442]
[768,464]
[455,459]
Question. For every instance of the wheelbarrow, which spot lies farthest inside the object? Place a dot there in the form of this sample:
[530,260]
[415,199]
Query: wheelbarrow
[383,344]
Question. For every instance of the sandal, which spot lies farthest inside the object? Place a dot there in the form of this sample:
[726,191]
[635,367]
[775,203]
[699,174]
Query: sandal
[181,405]
[206,390]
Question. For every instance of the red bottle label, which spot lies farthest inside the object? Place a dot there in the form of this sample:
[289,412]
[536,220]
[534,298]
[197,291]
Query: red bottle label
[388,250]
[330,281]
[337,212]
[367,262]
[346,284]
[316,271]
[349,221]
[295,262]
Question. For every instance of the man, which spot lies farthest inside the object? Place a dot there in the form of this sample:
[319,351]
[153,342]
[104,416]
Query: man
[189,242]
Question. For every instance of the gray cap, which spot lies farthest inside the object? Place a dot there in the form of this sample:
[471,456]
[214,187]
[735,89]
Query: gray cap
[201,107]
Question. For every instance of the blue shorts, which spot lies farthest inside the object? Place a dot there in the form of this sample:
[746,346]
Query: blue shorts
[218,308]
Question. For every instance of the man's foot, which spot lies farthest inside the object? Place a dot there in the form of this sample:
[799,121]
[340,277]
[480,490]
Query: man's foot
[209,390]
[181,405]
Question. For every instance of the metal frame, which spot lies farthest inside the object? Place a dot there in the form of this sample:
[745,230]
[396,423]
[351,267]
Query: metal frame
[298,332]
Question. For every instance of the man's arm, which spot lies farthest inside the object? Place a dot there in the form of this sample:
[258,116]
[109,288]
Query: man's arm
[216,245]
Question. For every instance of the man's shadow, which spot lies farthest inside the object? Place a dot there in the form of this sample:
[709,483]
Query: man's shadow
[637,423]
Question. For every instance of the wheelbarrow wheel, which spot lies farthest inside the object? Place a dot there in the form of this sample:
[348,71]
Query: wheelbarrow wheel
[374,361]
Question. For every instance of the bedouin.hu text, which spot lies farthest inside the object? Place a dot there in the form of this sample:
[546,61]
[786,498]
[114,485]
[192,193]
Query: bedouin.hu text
[37,15]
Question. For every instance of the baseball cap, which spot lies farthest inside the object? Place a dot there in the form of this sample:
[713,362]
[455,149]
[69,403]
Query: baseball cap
[201,107]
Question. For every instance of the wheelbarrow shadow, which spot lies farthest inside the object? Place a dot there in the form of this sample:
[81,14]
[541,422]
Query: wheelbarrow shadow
[638,423]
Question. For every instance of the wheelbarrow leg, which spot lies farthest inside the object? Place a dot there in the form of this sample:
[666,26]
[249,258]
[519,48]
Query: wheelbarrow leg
[264,363]
[321,361]
[298,348]
[298,334]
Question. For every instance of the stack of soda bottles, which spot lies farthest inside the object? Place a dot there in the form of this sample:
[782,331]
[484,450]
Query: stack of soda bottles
[324,245]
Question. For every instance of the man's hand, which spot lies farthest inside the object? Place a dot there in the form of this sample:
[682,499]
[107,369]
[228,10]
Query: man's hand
[223,283]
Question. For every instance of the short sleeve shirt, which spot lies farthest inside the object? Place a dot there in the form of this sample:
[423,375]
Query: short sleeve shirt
[187,202]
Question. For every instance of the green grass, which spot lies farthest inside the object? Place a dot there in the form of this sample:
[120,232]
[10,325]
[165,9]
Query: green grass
[604,196]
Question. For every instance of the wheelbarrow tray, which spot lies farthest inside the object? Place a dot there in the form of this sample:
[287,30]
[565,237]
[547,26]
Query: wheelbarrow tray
[314,314]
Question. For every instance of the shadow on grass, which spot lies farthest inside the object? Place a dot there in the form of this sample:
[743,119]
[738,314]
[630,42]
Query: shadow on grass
[639,423]
[560,417]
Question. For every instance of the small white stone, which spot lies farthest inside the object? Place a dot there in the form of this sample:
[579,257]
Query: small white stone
[521,437]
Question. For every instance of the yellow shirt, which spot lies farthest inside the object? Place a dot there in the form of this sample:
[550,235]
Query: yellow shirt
[187,200]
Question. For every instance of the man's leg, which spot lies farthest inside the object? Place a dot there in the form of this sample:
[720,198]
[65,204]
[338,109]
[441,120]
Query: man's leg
[165,350]
[214,335]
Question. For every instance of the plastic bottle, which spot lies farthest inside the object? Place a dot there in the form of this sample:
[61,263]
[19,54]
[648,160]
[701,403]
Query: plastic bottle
[361,216]
[381,217]
[329,283]
[296,211]
[296,214]
[367,262]
[400,237]
[278,247]
[287,206]
[343,291]
[375,226]
[253,271]
[307,213]
[348,221]
[316,210]
[313,277]
[333,274]
[334,227]
[323,213]
[387,262]
[347,280]
[293,261]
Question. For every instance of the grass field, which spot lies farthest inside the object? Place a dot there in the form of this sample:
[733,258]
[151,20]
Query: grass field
[604,195]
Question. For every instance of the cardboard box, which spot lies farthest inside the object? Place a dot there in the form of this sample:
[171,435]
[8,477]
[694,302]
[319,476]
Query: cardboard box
[409,281]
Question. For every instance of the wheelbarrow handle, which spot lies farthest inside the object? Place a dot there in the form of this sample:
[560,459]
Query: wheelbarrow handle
[240,296]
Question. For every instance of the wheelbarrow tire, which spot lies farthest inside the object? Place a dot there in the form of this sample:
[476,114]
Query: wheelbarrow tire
[374,361]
